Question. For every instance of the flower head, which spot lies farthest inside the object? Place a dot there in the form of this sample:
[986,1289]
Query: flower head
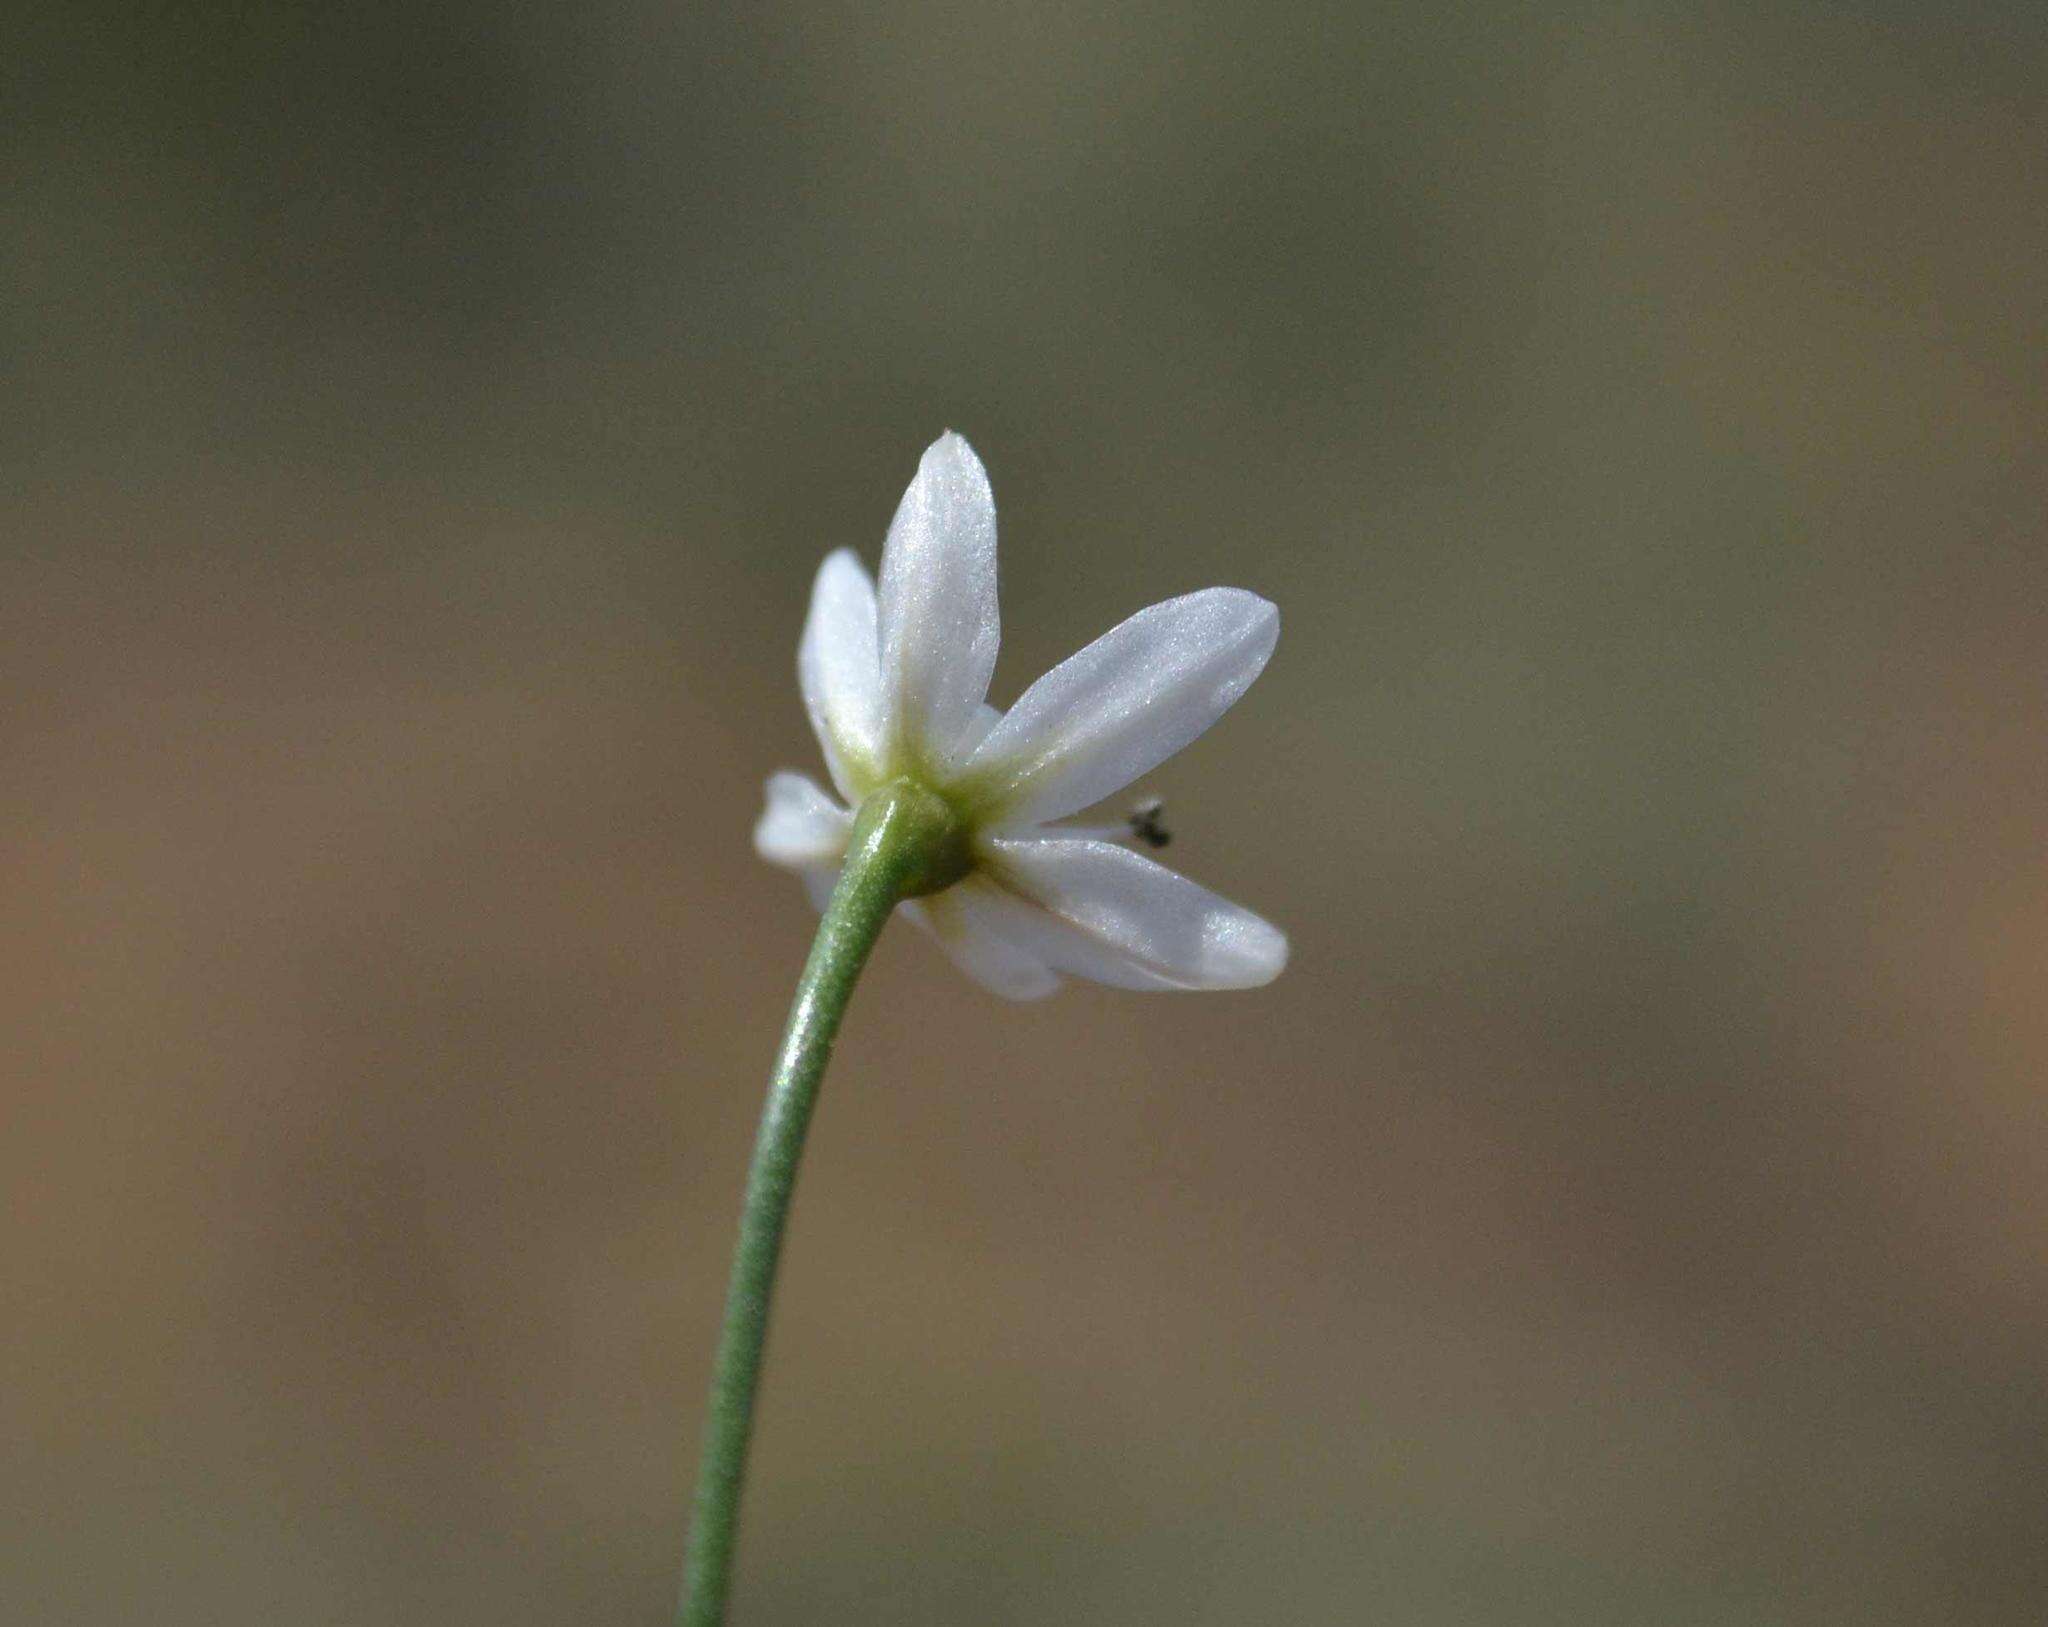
[896,680]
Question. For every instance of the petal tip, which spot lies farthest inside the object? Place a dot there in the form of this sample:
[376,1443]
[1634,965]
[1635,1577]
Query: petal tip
[769,840]
[951,460]
[799,825]
[957,466]
[843,559]
[1259,614]
[1253,953]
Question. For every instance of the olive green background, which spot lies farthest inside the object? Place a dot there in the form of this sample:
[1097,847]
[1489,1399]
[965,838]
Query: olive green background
[421,424]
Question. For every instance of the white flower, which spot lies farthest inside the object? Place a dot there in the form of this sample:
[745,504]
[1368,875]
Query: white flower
[895,683]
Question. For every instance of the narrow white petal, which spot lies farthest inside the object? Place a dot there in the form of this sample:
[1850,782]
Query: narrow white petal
[801,826]
[961,923]
[1156,928]
[1126,703]
[838,666]
[1064,947]
[939,626]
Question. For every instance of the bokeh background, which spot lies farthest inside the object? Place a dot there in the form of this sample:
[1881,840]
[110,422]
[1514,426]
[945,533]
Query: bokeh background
[421,424]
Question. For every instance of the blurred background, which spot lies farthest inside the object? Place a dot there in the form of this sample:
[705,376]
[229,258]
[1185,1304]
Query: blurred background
[422,424]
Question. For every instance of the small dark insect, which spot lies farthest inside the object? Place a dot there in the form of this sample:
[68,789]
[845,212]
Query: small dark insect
[1147,825]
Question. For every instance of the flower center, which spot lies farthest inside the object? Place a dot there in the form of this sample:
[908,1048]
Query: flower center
[931,837]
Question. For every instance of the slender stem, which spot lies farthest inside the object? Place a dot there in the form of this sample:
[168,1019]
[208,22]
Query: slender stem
[890,848]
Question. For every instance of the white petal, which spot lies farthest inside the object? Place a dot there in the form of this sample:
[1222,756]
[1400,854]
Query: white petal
[1056,942]
[838,665]
[1156,928]
[801,826]
[1126,703]
[938,604]
[958,920]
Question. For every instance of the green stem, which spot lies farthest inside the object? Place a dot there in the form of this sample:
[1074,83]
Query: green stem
[889,858]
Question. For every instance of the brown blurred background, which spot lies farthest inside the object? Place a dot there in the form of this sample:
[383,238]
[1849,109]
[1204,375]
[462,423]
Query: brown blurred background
[421,425]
